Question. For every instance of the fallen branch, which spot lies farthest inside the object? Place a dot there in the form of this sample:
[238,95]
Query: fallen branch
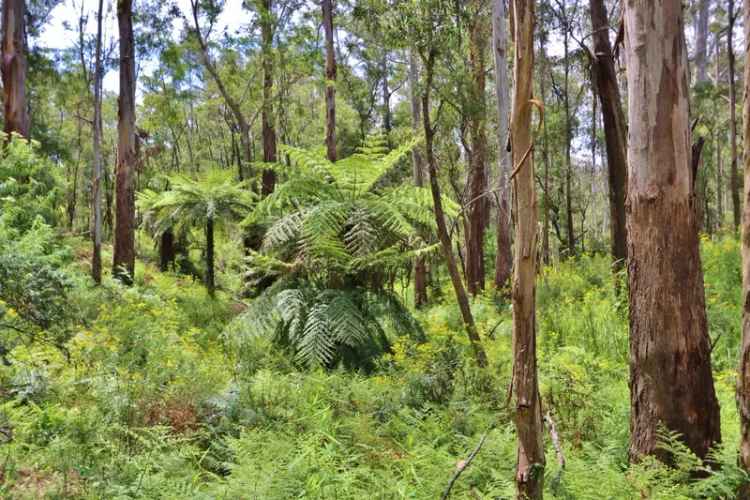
[462,465]
[555,439]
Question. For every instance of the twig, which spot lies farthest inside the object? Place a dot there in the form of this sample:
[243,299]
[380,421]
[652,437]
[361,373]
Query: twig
[462,466]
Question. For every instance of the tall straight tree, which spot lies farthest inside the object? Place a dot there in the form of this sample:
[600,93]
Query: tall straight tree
[701,41]
[670,360]
[734,179]
[124,252]
[479,29]
[96,182]
[14,67]
[743,378]
[503,258]
[615,130]
[420,268]
[526,400]
[327,6]
[269,130]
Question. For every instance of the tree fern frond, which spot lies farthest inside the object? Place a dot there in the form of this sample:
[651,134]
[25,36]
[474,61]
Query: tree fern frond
[316,347]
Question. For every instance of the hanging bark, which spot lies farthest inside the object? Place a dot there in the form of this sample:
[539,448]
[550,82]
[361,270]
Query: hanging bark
[96,182]
[743,378]
[615,131]
[462,298]
[734,179]
[123,265]
[526,401]
[14,67]
[269,130]
[504,257]
[327,6]
[477,178]
[420,267]
[671,382]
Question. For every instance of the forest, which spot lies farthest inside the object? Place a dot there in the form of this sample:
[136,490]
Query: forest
[353,249]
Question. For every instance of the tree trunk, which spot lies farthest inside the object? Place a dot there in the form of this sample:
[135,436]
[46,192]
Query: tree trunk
[546,252]
[167,252]
[386,91]
[420,267]
[504,257]
[701,41]
[671,382]
[14,67]
[743,378]
[478,203]
[124,252]
[96,182]
[735,176]
[615,131]
[445,240]
[269,131]
[327,6]
[210,279]
[526,401]
[568,143]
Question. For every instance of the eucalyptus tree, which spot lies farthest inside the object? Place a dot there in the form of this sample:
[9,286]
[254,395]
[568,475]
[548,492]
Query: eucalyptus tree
[671,381]
[525,385]
[14,67]
[96,181]
[743,372]
[615,129]
[123,265]
[330,80]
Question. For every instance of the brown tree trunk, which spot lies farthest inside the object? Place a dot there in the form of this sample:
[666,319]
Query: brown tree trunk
[420,267]
[478,203]
[526,401]
[167,252]
[671,382]
[615,131]
[504,257]
[210,279]
[327,6]
[14,67]
[123,265]
[462,298]
[734,173]
[386,91]
[96,182]
[743,378]
[546,252]
[269,131]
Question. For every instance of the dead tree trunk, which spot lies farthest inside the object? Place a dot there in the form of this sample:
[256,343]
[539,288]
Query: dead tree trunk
[671,382]
[96,182]
[428,61]
[123,265]
[615,131]
[327,6]
[14,67]
[504,257]
[526,401]
[420,267]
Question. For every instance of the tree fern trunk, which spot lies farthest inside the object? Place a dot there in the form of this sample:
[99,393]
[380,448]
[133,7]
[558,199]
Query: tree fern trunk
[210,280]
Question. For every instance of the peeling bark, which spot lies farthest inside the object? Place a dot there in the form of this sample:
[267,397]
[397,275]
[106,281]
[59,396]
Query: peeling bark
[671,382]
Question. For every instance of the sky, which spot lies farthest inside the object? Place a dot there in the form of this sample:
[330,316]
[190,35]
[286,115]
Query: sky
[55,35]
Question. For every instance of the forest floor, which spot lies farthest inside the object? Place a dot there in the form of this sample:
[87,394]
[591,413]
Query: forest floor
[155,394]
